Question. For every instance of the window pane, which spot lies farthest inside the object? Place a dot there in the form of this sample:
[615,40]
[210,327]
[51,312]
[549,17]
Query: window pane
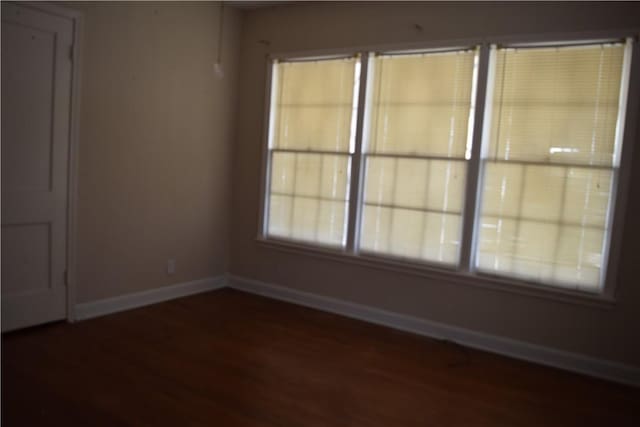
[380,180]
[446,185]
[502,188]
[309,194]
[280,213]
[283,172]
[307,219]
[533,257]
[496,244]
[304,220]
[556,104]
[411,233]
[542,192]
[442,237]
[587,196]
[319,175]
[525,249]
[312,104]
[565,255]
[332,223]
[307,181]
[549,164]
[436,131]
[334,179]
[531,216]
[375,233]
[404,202]
[314,128]
[416,183]
[421,103]
[580,256]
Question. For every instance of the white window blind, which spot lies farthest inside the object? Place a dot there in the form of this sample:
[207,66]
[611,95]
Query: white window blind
[311,140]
[417,142]
[550,161]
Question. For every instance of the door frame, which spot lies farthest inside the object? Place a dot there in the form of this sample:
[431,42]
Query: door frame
[76,18]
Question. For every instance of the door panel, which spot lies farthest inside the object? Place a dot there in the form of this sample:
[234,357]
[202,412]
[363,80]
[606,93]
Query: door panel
[28,84]
[25,260]
[36,91]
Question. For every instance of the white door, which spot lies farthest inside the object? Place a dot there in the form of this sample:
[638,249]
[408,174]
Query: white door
[36,94]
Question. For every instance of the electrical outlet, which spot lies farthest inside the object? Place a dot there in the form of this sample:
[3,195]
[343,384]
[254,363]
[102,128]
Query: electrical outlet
[219,71]
[171,266]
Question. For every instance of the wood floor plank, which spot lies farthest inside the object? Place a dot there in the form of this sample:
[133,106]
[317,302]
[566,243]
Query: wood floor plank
[227,358]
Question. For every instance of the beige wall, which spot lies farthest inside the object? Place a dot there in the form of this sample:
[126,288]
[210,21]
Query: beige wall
[608,333]
[156,128]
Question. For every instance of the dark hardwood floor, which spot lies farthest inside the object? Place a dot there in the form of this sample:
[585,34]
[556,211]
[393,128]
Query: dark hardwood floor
[227,358]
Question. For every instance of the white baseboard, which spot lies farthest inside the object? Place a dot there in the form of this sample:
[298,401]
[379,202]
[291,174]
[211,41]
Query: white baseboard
[517,349]
[139,299]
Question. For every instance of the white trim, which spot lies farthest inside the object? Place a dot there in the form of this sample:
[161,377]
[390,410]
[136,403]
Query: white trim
[140,299]
[267,141]
[313,58]
[356,166]
[574,362]
[618,202]
[477,113]
[74,146]
[622,101]
[441,272]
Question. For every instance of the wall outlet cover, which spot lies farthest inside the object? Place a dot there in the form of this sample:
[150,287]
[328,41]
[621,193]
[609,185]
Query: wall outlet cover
[171,266]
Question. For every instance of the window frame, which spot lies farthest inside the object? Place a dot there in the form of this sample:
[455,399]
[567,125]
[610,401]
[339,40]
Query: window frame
[629,44]
[354,157]
[460,266]
[464,273]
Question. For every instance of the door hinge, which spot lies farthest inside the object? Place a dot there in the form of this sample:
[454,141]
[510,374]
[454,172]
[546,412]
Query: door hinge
[72,53]
[66,277]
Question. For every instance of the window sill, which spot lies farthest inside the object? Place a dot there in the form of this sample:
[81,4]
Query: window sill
[445,274]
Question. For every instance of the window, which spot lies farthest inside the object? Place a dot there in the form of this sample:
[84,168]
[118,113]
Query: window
[311,141]
[415,166]
[550,161]
[388,169]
